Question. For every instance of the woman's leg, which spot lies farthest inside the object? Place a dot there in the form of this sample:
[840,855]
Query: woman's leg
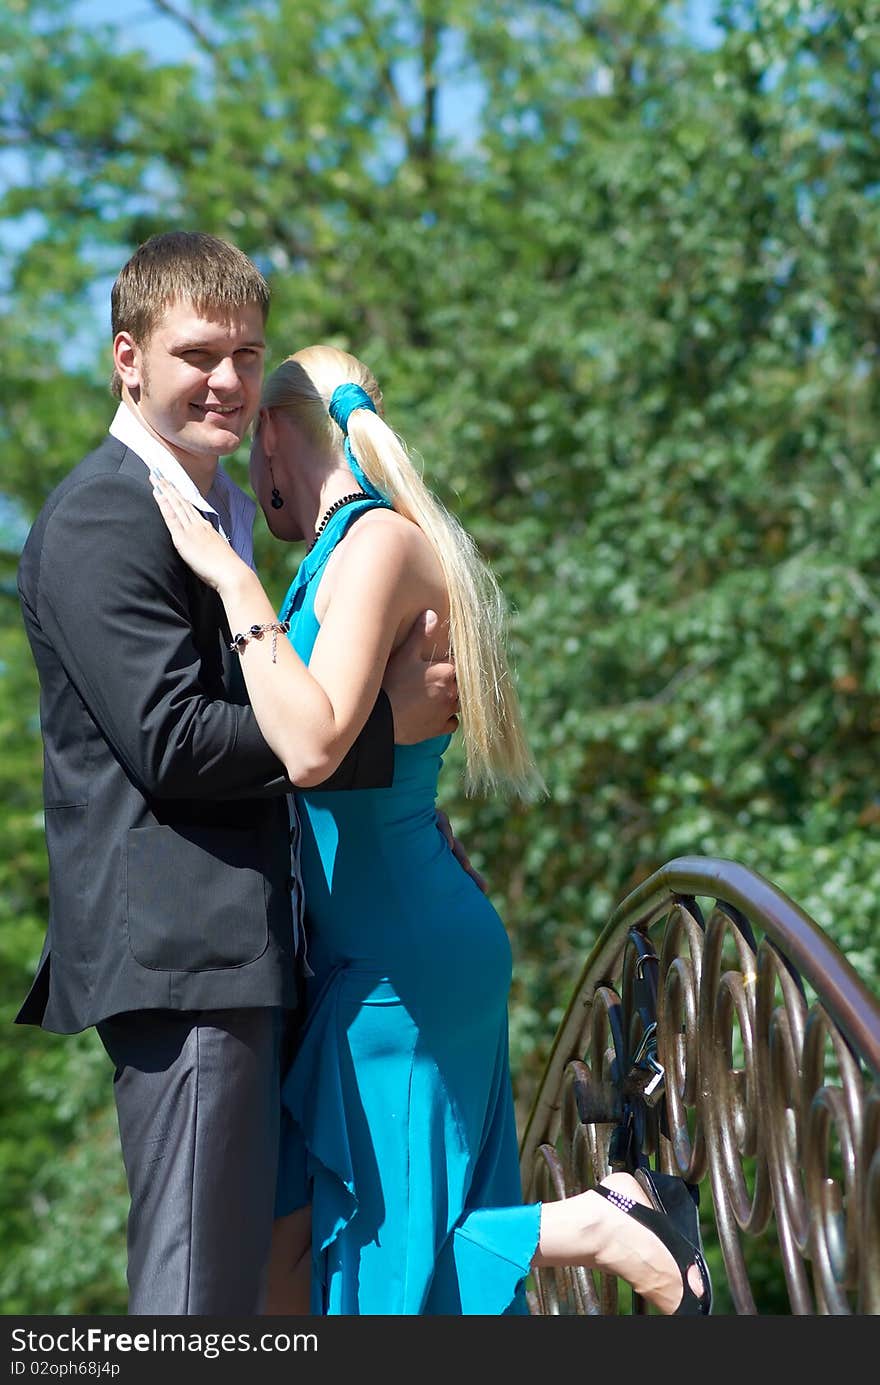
[289,1281]
[588,1230]
[582,1230]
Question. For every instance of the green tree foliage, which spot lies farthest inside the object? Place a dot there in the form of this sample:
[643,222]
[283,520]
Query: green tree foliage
[622,292]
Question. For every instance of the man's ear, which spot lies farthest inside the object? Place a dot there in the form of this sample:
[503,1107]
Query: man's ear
[127,360]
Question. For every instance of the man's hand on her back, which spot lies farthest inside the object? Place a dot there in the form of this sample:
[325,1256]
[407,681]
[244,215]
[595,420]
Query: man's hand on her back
[459,852]
[420,683]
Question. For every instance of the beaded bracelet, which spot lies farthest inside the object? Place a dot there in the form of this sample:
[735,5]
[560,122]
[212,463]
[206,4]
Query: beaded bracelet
[256,632]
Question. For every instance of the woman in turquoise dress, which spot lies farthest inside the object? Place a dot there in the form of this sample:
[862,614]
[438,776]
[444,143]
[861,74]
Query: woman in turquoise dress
[399,1188]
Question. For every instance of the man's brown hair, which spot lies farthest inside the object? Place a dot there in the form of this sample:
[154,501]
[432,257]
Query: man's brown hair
[180,267]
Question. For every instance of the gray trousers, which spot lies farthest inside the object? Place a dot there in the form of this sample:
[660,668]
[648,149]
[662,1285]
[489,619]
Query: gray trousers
[198,1101]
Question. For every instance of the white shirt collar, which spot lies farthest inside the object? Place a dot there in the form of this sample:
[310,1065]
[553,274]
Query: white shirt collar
[128,429]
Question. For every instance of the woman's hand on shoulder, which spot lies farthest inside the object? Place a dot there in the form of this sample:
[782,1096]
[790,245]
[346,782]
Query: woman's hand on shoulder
[199,544]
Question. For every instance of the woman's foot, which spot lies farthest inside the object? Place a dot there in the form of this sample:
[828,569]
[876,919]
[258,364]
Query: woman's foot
[589,1229]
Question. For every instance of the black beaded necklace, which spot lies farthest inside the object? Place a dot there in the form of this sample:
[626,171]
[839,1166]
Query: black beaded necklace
[331,510]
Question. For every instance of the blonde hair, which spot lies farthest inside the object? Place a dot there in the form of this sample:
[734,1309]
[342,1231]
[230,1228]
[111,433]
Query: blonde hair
[496,752]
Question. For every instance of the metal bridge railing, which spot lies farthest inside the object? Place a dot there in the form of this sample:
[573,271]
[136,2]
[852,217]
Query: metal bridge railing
[717,1032]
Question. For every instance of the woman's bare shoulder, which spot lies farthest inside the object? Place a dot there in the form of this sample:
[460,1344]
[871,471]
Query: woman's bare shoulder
[388,535]
[389,523]
[386,545]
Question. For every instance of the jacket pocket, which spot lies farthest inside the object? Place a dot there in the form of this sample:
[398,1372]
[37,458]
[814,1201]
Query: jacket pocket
[196,898]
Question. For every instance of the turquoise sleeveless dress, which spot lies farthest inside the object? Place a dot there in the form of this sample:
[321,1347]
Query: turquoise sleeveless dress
[399,1121]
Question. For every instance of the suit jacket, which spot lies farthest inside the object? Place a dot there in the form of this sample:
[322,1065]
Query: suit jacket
[165,810]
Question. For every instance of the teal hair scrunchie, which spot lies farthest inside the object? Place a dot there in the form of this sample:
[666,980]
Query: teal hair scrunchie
[343,402]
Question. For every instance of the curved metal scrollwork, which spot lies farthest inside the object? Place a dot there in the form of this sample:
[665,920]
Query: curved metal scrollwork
[716,1032]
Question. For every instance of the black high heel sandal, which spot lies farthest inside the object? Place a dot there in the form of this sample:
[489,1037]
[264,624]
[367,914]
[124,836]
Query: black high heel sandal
[674,1219]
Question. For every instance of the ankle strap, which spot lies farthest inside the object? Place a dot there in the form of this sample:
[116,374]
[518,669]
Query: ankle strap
[626,1204]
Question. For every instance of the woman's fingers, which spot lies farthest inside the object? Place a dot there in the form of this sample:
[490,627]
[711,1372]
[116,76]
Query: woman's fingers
[176,510]
[174,502]
[199,544]
[162,496]
[165,509]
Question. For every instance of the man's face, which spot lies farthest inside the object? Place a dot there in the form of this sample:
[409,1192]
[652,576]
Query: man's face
[197,380]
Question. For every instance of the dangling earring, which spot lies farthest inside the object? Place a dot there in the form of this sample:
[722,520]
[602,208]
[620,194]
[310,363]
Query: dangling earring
[277,498]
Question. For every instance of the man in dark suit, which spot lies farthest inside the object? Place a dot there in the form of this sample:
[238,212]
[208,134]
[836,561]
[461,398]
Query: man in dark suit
[174,892]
